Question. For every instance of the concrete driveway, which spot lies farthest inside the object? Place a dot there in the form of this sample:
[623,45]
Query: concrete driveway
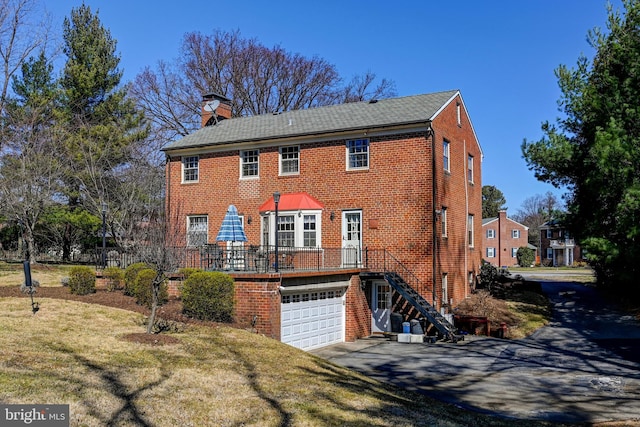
[583,367]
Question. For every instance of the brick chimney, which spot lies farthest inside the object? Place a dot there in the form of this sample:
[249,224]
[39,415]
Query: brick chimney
[222,109]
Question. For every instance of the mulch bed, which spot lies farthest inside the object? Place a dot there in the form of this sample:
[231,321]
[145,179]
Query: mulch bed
[170,311]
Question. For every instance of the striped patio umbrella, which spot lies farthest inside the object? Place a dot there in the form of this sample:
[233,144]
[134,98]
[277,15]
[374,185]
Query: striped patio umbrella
[231,229]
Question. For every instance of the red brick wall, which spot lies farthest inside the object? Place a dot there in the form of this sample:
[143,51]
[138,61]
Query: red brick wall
[503,241]
[394,194]
[357,313]
[261,299]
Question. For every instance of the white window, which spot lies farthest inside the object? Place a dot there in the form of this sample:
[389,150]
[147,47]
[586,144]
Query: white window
[190,168]
[491,233]
[310,232]
[249,164]
[445,288]
[286,230]
[515,234]
[358,154]
[470,168]
[446,155]
[290,160]
[514,252]
[491,252]
[295,228]
[443,217]
[458,116]
[197,230]
[549,233]
[470,230]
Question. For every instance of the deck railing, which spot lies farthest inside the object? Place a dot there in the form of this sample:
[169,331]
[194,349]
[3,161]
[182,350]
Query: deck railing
[237,258]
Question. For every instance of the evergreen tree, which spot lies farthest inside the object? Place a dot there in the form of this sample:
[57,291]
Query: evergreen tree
[103,122]
[492,201]
[594,149]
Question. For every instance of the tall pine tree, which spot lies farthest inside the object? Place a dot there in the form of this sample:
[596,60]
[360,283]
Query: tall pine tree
[102,121]
[594,149]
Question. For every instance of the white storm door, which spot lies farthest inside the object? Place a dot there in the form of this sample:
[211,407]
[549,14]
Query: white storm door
[351,238]
[381,307]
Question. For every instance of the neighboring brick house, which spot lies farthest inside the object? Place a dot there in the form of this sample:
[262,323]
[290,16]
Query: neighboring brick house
[557,247]
[501,239]
[361,194]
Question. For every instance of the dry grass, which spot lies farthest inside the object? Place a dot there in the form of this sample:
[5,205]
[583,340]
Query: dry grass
[12,274]
[523,311]
[74,353]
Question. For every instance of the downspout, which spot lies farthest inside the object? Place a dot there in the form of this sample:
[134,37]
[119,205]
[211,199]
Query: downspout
[167,208]
[434,216]
[466,207]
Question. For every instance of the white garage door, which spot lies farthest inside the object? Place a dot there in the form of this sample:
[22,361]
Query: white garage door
[312,319]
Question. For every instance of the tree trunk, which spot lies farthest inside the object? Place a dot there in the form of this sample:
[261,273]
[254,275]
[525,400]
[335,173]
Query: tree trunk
[155,290]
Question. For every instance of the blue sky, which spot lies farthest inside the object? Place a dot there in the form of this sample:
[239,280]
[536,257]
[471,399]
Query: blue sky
[500,54]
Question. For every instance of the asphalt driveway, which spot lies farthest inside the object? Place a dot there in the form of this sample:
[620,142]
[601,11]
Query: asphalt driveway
[584,367]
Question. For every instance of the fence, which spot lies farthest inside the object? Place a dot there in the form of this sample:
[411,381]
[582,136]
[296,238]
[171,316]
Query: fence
[257,259]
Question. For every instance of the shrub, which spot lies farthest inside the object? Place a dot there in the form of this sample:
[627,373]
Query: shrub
[130,274]
[114,277]
[186,272]
[488,275]
[143,288]
[525,256]
[208,296]
[82,280]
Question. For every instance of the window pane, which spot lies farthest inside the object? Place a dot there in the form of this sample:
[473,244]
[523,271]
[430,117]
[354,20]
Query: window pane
[358,151]
[445,149]
[290,160]
[286,231]
[309,237]
[249,163]
[197,232]
[190,168]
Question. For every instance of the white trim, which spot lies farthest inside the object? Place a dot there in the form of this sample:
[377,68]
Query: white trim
[241,163]
[280,173]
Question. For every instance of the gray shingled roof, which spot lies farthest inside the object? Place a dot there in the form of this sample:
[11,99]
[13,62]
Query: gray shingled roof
[334,118]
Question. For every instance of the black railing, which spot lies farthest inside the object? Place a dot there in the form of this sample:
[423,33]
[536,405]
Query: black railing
[381,261]
[238,258]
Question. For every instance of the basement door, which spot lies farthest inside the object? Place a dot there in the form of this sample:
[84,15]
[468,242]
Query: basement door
[351,238]
[381,307]
[312,318]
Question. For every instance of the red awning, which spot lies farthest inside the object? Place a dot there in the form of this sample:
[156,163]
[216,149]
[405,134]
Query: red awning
[292,202]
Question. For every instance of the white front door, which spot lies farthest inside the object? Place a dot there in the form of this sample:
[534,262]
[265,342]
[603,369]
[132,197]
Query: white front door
[381,307]
[351,238]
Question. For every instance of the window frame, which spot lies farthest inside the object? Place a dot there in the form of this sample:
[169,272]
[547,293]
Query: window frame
[470,228]
[446,155]
[443,218]
[243,162]
[514,252]
[282,160]
[308,234]
[515,233]
[297,228]
[190,233]
[470,167]
[354,156]
[491,233]
[445,288]
[188,168]
[491,252]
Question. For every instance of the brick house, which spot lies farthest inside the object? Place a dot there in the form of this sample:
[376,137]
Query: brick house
[557,247]
[378,208]
[501,238]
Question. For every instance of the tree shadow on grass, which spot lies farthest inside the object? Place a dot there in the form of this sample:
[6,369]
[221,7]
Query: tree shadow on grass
[253,377]
[128,411]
